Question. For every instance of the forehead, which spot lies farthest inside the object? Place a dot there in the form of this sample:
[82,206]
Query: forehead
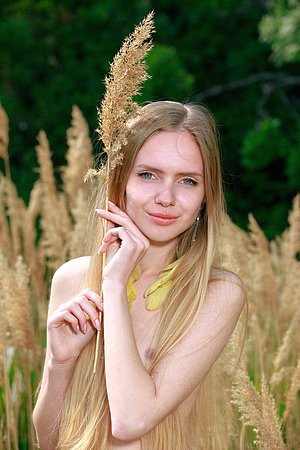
[172,148]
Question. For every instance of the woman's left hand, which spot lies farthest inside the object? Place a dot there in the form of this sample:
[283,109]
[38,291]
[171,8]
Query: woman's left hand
[123,243]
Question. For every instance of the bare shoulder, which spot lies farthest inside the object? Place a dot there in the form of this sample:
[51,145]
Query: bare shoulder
[68,280]
[226,291]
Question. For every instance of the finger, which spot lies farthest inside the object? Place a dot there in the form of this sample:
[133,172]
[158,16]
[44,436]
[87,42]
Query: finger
[117,216]
[109,225]
[127,239]
[90,313]
[114,208]
[77,309]
[105,245]
[122,219]
[92,296]
[127,220]
[61,317]
[111,236]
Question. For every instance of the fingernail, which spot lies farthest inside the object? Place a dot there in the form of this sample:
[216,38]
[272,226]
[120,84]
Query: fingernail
[97,324]
[85,328]
[100,250]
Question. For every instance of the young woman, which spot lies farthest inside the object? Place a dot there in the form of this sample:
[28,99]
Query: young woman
[168,308]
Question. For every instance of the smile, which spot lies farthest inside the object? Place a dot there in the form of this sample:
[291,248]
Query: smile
[162,219]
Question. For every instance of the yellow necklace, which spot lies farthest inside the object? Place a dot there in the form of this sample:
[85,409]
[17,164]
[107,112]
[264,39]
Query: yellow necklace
[157,291]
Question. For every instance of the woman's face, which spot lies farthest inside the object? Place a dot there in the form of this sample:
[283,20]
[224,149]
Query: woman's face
[165,188]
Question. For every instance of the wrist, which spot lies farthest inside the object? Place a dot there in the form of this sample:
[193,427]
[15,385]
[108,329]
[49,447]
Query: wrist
[54,364]
[115,285]
[114,289]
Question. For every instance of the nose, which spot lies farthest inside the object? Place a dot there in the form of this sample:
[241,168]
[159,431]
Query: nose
[165,196]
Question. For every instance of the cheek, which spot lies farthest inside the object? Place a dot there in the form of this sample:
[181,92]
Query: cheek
[132,199]
[193,203]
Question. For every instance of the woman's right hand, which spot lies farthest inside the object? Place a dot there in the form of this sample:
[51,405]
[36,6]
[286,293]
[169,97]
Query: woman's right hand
[73,324]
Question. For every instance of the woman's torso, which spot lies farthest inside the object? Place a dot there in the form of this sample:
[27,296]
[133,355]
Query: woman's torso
[144,325]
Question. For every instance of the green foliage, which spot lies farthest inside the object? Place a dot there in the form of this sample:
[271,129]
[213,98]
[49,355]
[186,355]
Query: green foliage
[56,54]
[164,64]
[257,153]
[281,29]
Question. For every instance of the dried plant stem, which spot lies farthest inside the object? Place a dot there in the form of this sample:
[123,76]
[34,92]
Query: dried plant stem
[7,168]
[100,320]
[104,223]
[7,402]
[242,437]
[293,390]
[27,365]
[12,431]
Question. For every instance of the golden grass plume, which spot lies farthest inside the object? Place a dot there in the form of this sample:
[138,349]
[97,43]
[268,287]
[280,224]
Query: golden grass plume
[127,73]
[78,156]
[259,411]
[55,217]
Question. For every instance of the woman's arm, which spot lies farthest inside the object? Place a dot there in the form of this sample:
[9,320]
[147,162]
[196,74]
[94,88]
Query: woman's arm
[56,378]
[137,400]
[68,332]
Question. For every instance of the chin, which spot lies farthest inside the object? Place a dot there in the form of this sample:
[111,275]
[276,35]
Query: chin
[161,238]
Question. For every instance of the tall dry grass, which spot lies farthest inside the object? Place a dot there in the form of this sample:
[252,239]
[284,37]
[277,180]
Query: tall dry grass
[36,238]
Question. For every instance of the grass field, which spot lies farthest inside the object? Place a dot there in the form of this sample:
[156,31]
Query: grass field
[37,238]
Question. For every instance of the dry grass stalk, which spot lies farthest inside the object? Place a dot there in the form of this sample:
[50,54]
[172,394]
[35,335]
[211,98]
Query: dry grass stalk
[76,243]
[79,156]
[265,281]
[4,139]
[13,208]
[10,436]
[3,133]
[285,373]
[259,411]
[290,242]
[5,291]
[247,400]
[271,434]
[289,293]
[232,253]
[257,344]
[23,335]
[288,246]
[293,391]
[11,429]
[16,295]
[289,342]
[3,337]
[5,239]
[127,73]
[34,255]
[55,220]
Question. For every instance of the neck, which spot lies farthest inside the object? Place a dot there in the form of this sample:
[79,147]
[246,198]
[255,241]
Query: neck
[156,258]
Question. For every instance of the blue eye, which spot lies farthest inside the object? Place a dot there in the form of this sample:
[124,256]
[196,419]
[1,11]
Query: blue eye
[146,175]
[189,181]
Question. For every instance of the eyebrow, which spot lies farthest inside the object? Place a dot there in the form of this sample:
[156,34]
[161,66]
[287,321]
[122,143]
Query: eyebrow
[186,174]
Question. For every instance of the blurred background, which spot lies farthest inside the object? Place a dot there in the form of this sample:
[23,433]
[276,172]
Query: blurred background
[239,58]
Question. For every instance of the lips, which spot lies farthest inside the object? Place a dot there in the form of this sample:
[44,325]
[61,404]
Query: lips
[162,219]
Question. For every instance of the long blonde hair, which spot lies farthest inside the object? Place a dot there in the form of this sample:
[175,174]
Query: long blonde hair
[84,421]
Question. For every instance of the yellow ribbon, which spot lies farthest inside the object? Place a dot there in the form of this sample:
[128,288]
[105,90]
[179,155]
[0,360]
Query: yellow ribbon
[157,291]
